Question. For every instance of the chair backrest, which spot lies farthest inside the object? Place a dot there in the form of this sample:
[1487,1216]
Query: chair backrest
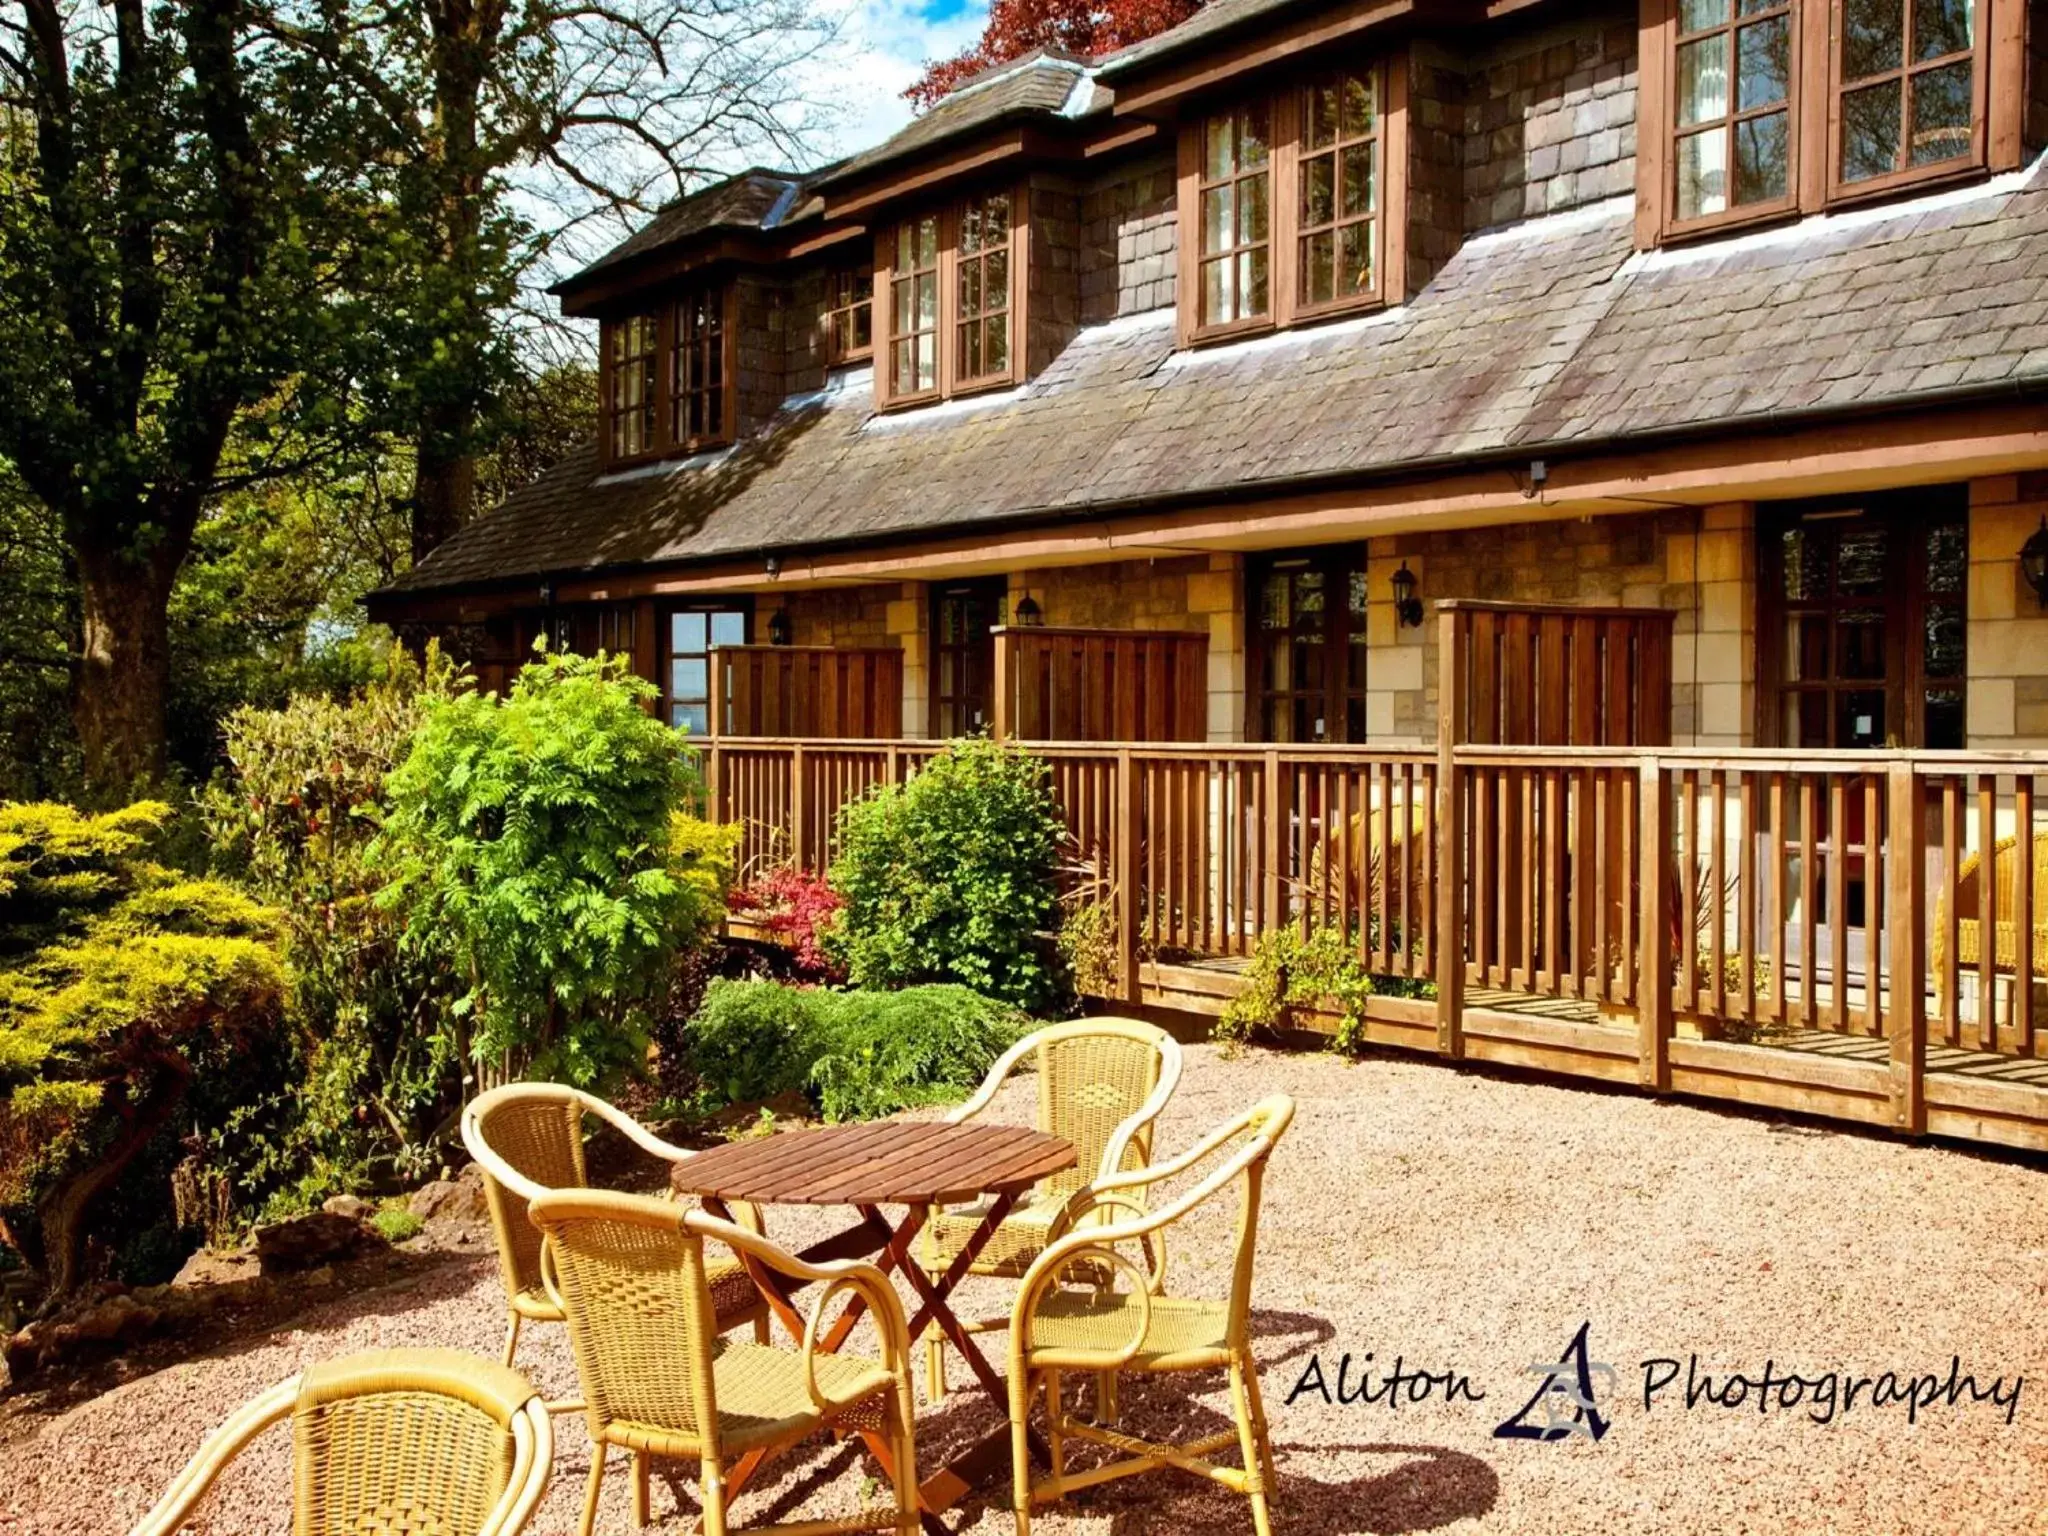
[414,1440]
[526,1137]
[1093,1075]
[629,1274]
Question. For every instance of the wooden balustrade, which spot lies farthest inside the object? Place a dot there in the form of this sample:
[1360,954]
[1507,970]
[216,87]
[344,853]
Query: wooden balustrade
[804,691]
[1114,685]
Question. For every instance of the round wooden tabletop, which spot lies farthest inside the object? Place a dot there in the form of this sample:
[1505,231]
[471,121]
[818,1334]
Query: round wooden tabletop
[889,1163]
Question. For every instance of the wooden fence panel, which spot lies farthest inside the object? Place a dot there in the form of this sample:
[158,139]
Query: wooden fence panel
[810,692]
[1101,685]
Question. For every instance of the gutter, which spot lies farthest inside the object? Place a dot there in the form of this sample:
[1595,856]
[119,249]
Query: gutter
[1553,450]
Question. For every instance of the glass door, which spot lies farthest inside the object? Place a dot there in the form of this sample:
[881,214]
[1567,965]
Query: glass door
[686,669]
[964,615]
[1308,665]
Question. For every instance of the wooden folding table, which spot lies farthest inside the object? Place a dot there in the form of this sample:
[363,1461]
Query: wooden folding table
[914,1164]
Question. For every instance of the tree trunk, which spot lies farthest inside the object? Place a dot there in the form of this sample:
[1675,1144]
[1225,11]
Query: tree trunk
[444,480]
[124,671]
[63,1211]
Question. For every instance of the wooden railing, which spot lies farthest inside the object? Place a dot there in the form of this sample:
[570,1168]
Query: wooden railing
[807,691]
[1679,911]
[1109,685]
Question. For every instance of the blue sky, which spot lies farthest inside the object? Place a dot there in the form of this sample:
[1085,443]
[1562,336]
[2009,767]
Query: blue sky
[887,44]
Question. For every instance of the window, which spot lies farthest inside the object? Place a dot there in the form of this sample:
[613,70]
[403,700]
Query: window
[1308,663]
[914,309]
[982,349]
[1863,621]
[686,676]
[955,299]
[668,376]
[630,404]
[697,382]
[1337,175]
[1733,143]
[1906,87]
[1286,197]
[964,654]
[849,315]
[1234,276]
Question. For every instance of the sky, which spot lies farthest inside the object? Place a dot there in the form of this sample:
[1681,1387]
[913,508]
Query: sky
[887,44]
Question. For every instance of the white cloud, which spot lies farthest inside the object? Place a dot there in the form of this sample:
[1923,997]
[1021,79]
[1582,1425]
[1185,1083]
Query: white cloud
[886,46]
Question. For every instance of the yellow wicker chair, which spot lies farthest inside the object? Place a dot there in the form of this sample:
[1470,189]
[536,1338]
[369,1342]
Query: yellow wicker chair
[1970,921]
[528,1139]
[1090,1328]
[396,1442]
[633,1280]
[1101,1085]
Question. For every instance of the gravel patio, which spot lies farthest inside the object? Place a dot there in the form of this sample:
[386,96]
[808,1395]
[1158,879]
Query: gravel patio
[1456,1221]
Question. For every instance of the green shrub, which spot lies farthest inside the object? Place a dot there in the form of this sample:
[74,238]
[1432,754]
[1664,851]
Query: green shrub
[126,992]
[855,1055]
[951,878]
[531,838]
[395,1224]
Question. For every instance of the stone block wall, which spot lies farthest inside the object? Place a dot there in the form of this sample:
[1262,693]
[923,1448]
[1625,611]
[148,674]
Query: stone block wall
[1127,249]
[2008,629]
[1053,305]
[1437,117]
[1550,119]
[853,617]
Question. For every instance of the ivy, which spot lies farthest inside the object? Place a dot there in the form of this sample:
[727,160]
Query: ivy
[1289,969]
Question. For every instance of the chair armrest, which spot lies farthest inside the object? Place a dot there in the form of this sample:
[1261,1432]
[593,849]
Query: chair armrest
[1046,1272]
[862,1277]
[221,1447]
[533,1458]
[1135,1124]
[1087,1201]
[634,1131]
[997,1076]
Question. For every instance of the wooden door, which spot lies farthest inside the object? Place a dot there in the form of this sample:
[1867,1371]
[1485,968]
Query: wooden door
[963,662]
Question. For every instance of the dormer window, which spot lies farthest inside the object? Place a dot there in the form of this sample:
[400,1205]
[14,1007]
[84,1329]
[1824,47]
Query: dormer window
[849,314]
[1283,194]
[1774,107]
[951,286]
[668,378]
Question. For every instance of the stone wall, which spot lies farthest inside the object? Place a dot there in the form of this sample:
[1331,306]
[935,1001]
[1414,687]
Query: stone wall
[762,376]
[2008,628]
[1052,307]
[1436,156]
[1127,240]
[1550,119]
[851,617]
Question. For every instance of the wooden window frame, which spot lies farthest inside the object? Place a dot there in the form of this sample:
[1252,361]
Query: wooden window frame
[1998,126]
[1337,563]
[681,353]
[663,443]
[1300,154]
[665,652]
[1670,131]
[1971,162]
[1288,105]
[653,402]
[1272,172]
[849,288]
[949,382]
[953,365]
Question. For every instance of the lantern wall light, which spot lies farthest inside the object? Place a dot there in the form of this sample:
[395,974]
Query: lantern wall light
[1407,606]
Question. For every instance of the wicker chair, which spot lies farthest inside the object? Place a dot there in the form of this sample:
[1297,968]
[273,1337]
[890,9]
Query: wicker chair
[2005,937]
[1089,1328]
[528,1139]
[396,1442]
[632,1278]
[1101,1085]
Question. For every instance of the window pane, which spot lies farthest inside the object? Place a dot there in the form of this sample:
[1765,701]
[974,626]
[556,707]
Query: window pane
[1361,114]
[906,248]
[1360,194]
[1859,643]
[997,349]
[1763,66]
[1318,262]
[971,365]
[1873,37]
[1860,721]
[996,266]
[861,327]
[1698,15]
[1806,566]
[1703,173]
[1861,569]
[1218,297]
[1943,27]
[1703,80]
[902,368]
[1251,278]
[1948,557]
[686,632]
[1941,114]
[1257,134]
[1217,217]
[1806,649]
[927,362]
[1354,256]
[1943,727]
[1943,656]
[970,287]
[1217,159]
[688,679]
[1870,131]
[728,629]
[927,301]
[692,719]
[1318,190]
[1251,210]
[927,241]
[1761,170]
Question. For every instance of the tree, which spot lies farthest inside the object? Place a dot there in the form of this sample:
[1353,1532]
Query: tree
[120,985]
[592,108]
[172,244]
[1084,27]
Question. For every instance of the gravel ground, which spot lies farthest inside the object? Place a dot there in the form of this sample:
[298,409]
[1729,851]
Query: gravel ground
[1455,1221]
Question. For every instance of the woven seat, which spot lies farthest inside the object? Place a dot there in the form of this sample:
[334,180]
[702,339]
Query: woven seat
[396,1442]
[631,1278]
[528,1138]
[1056,1328]
[1101,1085]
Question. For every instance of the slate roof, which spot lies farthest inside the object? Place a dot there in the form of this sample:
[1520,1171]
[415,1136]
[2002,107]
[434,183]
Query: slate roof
[1215,17]
[1553,334]
[754,199]
[1036,85]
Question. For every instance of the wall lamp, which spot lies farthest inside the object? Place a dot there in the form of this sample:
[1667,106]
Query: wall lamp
[1029,613]
[1407,606]
[2034,561]
[778,627]
[774,565]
